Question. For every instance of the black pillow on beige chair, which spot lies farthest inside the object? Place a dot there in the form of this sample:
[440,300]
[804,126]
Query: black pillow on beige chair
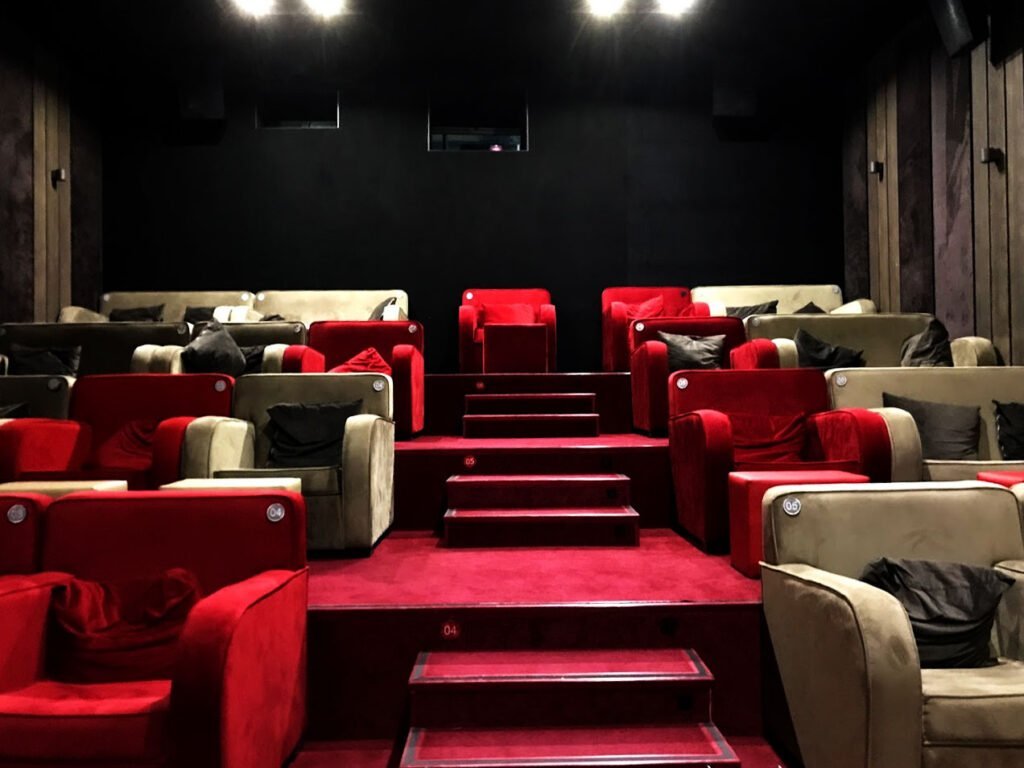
[813,352]
[213,351]
[154,314]
[929,349]
[948,432]
[13,410]
[43,361]
[1010,430]
[768,308]
[308,434]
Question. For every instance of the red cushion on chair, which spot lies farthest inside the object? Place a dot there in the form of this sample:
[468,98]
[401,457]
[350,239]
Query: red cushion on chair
[764,438]
[646,310]
[131,447]
[107,633]
[367,361]
[508,314]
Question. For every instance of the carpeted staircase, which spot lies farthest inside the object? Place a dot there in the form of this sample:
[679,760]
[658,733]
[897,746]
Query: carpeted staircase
[540,510]
[531,415]
[519,709]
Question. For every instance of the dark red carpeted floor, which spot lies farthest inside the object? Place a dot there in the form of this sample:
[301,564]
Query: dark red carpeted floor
[414,569]
[433,443]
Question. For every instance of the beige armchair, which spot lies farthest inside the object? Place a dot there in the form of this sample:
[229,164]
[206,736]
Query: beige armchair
[848,659]
[864,387]
[309,307]
[349,505]
[233,306]
[790,298]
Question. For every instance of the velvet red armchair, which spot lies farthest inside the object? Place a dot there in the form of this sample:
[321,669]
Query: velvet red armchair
[400,348]
[621,306]
[532,350]
[649,361]
[235,693]
[134,427]
[725,421]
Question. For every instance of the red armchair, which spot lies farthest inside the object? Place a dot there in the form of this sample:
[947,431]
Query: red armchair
[20,527]
[621,306]
[400,347]
[234,695]
[725,421]
[649,361]
[142,428]
[527,340]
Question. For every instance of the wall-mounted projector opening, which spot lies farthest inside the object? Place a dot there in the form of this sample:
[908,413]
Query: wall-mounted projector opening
[484,119]
[299,109]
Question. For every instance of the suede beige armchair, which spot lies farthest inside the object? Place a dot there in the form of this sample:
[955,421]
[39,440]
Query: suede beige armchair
[790,298]
[350,504]
[848,659]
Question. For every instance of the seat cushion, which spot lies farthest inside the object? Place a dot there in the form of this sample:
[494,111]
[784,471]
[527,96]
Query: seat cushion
[508,314]
[316,481]
[975,706]
[87,724]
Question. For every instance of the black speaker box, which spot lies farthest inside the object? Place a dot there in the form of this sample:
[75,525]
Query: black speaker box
[962,24]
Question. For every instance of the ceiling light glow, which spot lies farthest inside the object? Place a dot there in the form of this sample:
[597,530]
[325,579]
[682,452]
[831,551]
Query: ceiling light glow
[605,8]
[255,8]
[326,8]
[676,7]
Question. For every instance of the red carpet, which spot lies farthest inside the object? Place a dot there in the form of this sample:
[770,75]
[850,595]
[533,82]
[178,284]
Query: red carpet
[433,443]
[414,569]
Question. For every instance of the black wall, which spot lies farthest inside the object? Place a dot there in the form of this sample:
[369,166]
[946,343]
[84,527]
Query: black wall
[627,180]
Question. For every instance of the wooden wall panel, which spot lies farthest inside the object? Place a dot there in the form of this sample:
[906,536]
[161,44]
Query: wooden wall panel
[17,272]
[855,195]
[982,232]
[1014,71]
[998,196]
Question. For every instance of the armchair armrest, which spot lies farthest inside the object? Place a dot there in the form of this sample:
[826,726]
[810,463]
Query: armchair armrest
[25,607]
[298,358]
[367,475]
[857,307]
[789,356]
[904,445]
[973,352]
[239,686]
[470,353]
[547,315]
[1008,632]
[849,667]
[701,453]
[73,314]
[649,381]
[153,358]
[853,434]
[42,445]
[408,375]
[754,355]
[616,337]
[214,443]
[168,442]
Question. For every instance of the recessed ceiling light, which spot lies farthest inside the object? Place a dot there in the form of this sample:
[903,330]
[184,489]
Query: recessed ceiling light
[255,8]
[326,8]
[676,7]
[605,9]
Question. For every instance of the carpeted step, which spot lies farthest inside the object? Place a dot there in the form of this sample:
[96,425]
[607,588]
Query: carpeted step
[639,746]
[531,425]
[451,689]
[555,402]
[537,491]
[538,527]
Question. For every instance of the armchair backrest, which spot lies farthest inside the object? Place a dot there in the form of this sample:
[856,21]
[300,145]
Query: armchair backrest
[864,387]
[21,526]
[45,397]
[175,302]
[881,337]
[221,536]
[106,347]
[643,331]
[842,528]
[263,334]
[790,297]
[314,306]
[676,297]
[255,394]
[340,342]
[481,296]
[107,403]
[779,392]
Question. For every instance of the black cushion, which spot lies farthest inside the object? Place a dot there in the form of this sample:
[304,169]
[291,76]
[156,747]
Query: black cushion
[378,311]
[13,410]
[1010,430]
[43,361]
[152,314]
[308,434]
[693,352]
[928,349]
[198,314]
[948,432]
[273,319]
[254,358]
[812,352]
[810,308]
[951,607]
[213,351]
[768,308]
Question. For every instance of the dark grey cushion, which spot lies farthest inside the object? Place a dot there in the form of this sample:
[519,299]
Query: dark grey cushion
[378,311]
[687,353]
[928,349]
[153,314]
[43,361]
[198,314]
[1010,430]
[213,351]
[254,358]
[951,607]
[308,434]
[768,308]
[810,308]
[812,352]
[948,432]
[13,410]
